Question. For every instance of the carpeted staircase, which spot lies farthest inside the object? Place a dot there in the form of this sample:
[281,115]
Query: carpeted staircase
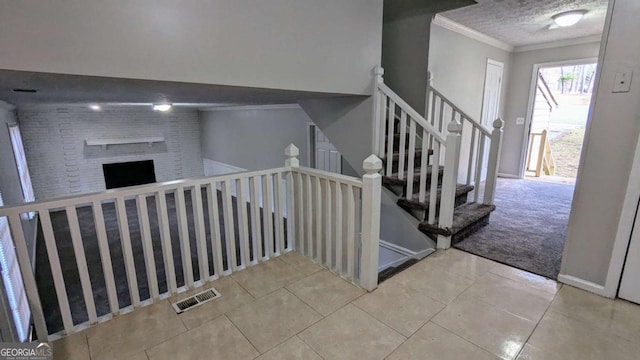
[468,217]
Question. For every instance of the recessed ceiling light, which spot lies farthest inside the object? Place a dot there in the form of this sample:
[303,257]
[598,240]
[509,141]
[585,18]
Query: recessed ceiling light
[161,107]
[568,18]
[95,107]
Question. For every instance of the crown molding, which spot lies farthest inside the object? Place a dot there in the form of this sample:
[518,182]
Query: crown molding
[449,24]
[560,43]
[252,107]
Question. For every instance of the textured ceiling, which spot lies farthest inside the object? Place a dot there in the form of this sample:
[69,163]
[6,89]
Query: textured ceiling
[526,22]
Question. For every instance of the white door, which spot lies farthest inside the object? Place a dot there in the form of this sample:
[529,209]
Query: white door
[490,103]
[630,284]
[327,156]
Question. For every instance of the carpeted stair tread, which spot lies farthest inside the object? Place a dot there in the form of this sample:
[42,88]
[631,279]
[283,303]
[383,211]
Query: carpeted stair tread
[393,180]
[415,204]
[463,217]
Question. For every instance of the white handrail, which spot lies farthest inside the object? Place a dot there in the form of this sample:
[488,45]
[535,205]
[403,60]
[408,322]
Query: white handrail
[131,191]
[476,124]
[277,210]
[411,112]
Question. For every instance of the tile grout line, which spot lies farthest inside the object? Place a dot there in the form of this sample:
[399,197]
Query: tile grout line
[310,347]
[538,323]
[243,334]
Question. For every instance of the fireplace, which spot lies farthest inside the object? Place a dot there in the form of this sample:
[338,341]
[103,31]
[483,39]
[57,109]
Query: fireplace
[131,173]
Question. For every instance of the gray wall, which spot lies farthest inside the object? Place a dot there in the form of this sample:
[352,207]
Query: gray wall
[405,52]
[458,65]
[348,122]
[607,156]
[326,46]
[61,164]
[253,139]
[518,99]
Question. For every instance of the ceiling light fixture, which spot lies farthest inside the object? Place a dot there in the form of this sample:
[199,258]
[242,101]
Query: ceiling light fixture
[568,18]
[161,107]
[95,107]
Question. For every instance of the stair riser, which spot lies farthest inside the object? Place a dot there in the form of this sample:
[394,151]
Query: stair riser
[422,214]
[470,230]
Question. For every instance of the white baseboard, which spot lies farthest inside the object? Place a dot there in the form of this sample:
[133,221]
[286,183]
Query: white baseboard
[508,176]
[404,251]
[582,284]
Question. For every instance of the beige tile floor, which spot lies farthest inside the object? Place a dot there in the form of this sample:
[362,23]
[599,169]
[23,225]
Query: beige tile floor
[451,305]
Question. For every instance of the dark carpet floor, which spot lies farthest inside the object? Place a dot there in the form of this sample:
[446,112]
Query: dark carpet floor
[528,228]
[59,221]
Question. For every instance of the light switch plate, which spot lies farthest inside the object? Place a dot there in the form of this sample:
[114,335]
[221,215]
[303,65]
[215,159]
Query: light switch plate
[622,81]
[520,121]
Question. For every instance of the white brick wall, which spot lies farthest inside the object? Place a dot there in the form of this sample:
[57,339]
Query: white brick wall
[61,164]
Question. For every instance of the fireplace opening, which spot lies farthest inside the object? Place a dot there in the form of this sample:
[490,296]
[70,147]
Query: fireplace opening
[131,173]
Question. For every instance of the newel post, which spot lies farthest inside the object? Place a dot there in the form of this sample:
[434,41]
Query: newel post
[494,161]
[371,198]
[291,153]
[449,181]
[378,112]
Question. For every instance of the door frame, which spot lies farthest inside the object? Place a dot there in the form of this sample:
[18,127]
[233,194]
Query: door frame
[625,229]
[500,64]
[489,123]
[532,96]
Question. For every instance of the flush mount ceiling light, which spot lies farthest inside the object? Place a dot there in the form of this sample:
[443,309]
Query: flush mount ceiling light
[568,18]
[161,107]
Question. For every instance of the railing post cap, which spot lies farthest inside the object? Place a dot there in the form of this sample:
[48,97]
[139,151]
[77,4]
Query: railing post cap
[372,164]
[454,127]
[378,71]
[498,123]
[291,151]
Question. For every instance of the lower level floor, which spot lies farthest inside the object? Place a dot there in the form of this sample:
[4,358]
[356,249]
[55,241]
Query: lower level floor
[450,305]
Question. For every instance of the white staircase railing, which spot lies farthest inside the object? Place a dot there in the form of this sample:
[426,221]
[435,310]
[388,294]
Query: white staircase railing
[481,153]
[393,117]
[238,221]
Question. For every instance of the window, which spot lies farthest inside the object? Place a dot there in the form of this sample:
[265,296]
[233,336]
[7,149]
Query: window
[13,281]
[21,163]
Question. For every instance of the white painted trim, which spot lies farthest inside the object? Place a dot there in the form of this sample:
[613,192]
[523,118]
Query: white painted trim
[253,107]
[408,254]
[625,229]
[125,140]
[559,43]
[582,284]
[404,251]
[499,64]
[451,25]
[509,176]
[532,92]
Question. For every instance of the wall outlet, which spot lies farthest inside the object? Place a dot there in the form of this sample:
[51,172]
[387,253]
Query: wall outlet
[622,81]
[520,121]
